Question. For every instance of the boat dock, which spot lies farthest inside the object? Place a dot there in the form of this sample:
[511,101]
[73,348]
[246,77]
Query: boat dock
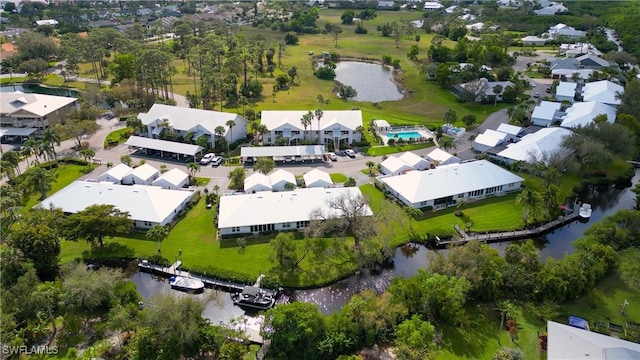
[464,237]
[174,270]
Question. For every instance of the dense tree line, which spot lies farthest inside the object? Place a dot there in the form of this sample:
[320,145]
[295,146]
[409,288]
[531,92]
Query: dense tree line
[419,306]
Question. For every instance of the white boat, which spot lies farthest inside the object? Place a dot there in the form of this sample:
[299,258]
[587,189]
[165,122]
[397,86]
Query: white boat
[585,211]
[186,283]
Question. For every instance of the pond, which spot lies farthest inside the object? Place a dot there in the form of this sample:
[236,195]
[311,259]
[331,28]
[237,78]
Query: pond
[39,89]
[408,260]
[373,82]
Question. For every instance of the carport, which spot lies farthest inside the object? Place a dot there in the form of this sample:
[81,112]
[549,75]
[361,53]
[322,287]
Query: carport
[13,132]
[284,153]
[164,146]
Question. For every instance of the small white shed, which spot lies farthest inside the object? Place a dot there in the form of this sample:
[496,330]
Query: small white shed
[115,174]
[257,182]
[317,178]
[381,126]
[280,178]
[394,166]
[488,139]
[173,179]
[144,174]
[415,161]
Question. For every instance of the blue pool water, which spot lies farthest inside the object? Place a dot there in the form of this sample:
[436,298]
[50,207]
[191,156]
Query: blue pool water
[404,135]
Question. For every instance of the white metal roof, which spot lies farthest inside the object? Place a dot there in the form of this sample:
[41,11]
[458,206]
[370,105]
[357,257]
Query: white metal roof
[302,150]
[174,176]
[11,131]
[144,171]
[568,73]
[117,172]
[566,89]
[448,180]
[602,91]
[279,207]
[412,159]
[583,113]
[509,129]
[490,138]
[545,141]
[281,175]
[381,123]
[439,155]
[144,203]
[38,104]
[568,342]
[317,176]
[394,165]
[349,119]
[188,119]
[163,145]
[546,110]
[256,179]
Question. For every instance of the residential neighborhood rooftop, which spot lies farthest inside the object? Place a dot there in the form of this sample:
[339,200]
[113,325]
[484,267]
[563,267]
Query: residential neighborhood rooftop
[583,113]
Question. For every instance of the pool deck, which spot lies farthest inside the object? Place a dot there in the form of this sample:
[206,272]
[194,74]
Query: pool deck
[422,131]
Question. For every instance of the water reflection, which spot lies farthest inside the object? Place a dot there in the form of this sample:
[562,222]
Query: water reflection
[373,82]
[39,89]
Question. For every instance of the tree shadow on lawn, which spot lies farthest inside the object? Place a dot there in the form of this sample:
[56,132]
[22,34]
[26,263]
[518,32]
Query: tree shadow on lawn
[109,250]
[250,240]
[471,340]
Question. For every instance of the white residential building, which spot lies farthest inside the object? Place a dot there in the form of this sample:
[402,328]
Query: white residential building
[415,161]
[20,110]
[115,174]
[335,125]
[381,126]
[394,166]
[546,113]
[147,205]
[564,31]
[444,185]
[47,22]
[550,9]
[533,40]
[432,6]
[603,91]
[488,139]
[566,91]
[482,88]
[577,49]
[257,182]
[279,211]
[173,179]
[583,113]
[280,178]
[539,146]
[144,174]
[441,157]
[568,342]
[512,131]
[475,26]
[317,178]
[181,120]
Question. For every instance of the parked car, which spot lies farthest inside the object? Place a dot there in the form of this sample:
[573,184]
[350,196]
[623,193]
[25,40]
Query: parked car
[536,95]
[216,161]
[533,85]
[207,158]
[350,153]
[332,156]
[548,90]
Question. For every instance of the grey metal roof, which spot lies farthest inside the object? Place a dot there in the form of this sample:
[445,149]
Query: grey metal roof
[163,145]
[303,150]
[10,131]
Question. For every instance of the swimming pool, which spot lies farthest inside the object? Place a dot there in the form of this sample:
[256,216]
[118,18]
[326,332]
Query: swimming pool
[404,135]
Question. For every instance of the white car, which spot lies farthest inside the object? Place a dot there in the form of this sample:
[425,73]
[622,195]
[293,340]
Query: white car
[207,158]
[216,161]
[350,153]
[332,156]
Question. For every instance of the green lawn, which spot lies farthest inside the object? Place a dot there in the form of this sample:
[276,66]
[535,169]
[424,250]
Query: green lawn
[384,150]
[117,137]
[15,80]
[338,178]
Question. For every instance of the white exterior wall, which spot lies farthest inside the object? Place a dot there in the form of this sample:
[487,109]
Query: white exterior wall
[298,134]
[257,188]
[109,178]
[289,226]
[163,183]
[319,183]
[133,179]
[148,225]
[404,168]
[280,185]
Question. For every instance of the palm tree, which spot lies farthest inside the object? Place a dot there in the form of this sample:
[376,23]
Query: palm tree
[11,159]
[529,200]
[230,124]
[28,149]
[219,131]
[39,180]
[193,168]
[412,214]
[496,90]
[157,233]
[506,309]
[447,143]
[318,115]
[371,165]
[306,121]
[260,130]
[51,139]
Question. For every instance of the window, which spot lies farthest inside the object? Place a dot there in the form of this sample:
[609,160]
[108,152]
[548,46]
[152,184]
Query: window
[344,132]
[235,229]
[286,225]
[329,132]
[278,133]
[301,224]
[269,140]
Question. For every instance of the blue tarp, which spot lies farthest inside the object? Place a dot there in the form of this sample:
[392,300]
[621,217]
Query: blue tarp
[575,321]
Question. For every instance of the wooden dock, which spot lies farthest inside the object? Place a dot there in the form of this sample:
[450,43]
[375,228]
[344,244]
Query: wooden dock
[464,237]
[174,270]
